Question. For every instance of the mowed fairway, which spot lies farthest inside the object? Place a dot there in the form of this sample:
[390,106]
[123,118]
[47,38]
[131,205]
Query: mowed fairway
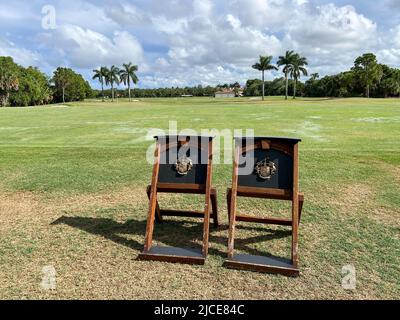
[72,196]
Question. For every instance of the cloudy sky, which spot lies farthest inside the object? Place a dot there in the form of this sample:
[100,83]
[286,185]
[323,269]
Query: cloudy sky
[190,42]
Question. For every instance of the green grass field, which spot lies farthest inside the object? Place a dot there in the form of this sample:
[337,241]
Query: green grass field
[72,195]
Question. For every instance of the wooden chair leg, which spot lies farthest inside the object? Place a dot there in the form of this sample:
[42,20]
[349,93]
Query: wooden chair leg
[208,205]
[232,223]
[159,218]
[148,242]
[229,201]
[301,203]
[295,227]
[214,208]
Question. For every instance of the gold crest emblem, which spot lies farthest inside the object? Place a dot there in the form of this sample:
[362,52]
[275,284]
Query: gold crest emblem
[183,166]
[265,169]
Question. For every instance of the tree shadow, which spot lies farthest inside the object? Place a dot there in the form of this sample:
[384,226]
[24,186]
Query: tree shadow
[174,233]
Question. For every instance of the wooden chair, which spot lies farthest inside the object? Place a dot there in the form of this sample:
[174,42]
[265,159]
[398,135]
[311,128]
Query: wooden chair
[177,170]
[274,174]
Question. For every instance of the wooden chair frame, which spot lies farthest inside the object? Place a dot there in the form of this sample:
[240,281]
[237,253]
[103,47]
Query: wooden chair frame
[258,263]
[156,214]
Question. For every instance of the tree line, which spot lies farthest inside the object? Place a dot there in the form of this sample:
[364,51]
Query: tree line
[367,78]
[21,86]
[172,92]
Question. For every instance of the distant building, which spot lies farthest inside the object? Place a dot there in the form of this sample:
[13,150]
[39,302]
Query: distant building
[222,94]
[229,93]
[226,93]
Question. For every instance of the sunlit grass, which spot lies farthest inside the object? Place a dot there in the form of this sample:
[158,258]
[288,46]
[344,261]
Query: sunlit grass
[87,162]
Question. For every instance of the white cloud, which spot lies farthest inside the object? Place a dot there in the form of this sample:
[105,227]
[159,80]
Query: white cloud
[235,22]
[263,14]
[84,14]
[126,14]
[85,48]
[390,54]
[202,7]
[172,8]
[12,12]
[20,55]
[180,42]
[170,27]
[204,75]
[330,36]
[203,43]
[333,28]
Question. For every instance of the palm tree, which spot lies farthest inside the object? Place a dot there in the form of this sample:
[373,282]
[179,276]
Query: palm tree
[286,61]
[296,69]
[112,77]
[127,74]
[368,71]
[314,76]
[101,74]
[264,65]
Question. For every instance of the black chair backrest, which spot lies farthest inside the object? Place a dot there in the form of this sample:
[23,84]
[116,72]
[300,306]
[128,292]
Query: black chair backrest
[184,160]
[266,162]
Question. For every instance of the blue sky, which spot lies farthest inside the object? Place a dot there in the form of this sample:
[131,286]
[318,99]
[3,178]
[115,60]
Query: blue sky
[190,42]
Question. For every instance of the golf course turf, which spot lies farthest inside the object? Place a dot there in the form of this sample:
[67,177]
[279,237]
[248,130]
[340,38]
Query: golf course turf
[73,183]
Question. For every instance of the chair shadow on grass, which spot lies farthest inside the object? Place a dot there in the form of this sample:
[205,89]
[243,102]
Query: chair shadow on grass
[107,228]
[174,233]
[244,244]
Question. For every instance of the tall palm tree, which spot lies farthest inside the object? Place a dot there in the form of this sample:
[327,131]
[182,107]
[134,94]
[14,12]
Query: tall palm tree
[112,78]
[286,61]
[127,74]
[264,65]
[101,74]
[296,69]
